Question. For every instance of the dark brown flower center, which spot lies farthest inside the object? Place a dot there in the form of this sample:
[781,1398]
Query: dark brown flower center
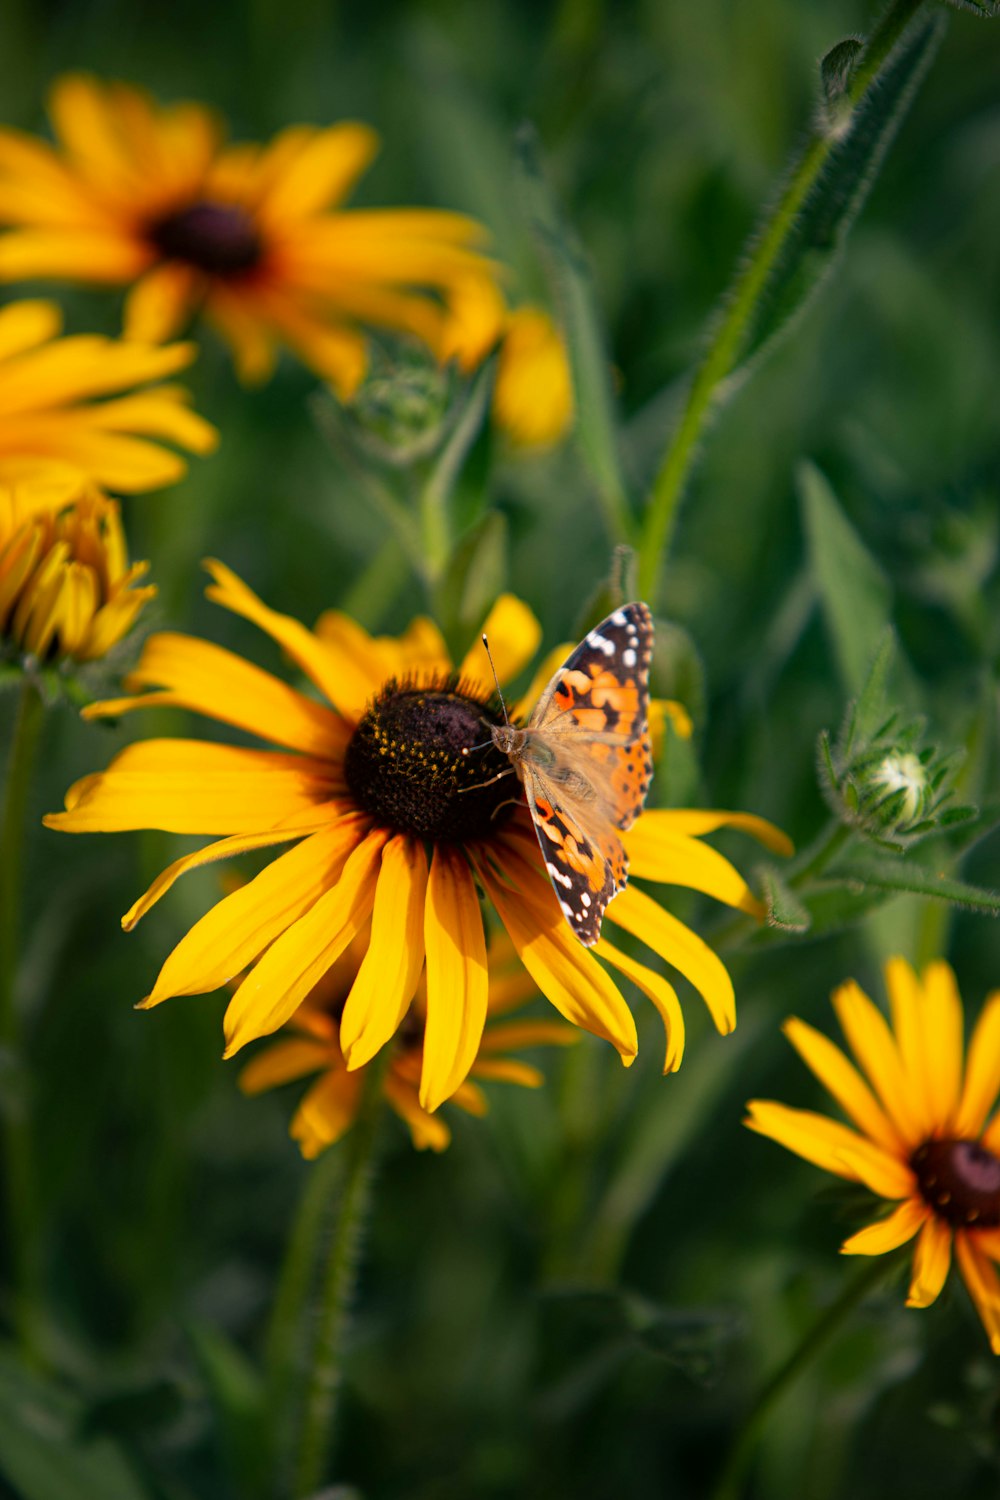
[405,764]
[219,238]
[960,1181]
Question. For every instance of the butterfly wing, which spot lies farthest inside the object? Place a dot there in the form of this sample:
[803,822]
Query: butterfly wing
[586,764]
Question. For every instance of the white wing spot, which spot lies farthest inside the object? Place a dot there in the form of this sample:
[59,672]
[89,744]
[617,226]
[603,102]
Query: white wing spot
[601,643]
[585,898]
[629,657]
[558,875]
[619,617]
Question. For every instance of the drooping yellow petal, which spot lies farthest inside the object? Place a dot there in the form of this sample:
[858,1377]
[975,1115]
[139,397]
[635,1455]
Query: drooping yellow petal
[159,305]
[682,948]
[207,679]
[697,821]
[457,976]
[326,1112]
[982,1072]
[508,1070]
[533,395]
[662,994]
[565,972]
[888,1233]
[931,1261]
[656,853]
[874,1046]
[239,927]
[390,970]
[513,1036]
[284,1062]
[513,634]
[296,960]
[841,1079]
[823,1141]
[428,1132]
[984,1287]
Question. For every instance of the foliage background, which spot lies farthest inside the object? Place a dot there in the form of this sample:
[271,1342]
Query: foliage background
[487,1362]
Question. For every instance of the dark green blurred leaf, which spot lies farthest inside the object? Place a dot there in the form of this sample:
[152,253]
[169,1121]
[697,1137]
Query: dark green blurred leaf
[844,183]
[784,909]
[678,671]
[855,595]
[868,713]
[43,1454]
[695,1341]
[596,427]
[476,574]
[905,875]
[238,1395]
[836,904]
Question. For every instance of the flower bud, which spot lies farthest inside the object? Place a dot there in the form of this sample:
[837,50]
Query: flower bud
[403,406]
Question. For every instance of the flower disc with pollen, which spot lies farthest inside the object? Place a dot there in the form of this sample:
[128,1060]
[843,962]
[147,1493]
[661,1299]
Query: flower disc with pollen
[409,764]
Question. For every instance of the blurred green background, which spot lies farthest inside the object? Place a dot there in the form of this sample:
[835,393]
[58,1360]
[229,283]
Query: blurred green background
[580,1298]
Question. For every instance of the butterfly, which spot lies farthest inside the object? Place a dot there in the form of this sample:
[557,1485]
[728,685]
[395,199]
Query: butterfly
[585,761]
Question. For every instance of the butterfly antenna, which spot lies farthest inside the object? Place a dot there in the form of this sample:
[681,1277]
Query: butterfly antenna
[496,679]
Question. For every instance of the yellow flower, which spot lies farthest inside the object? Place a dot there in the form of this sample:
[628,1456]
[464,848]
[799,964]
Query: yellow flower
[329,1106]
[533,396]
[48,414]
[397,825]
[923,1139]
[252,236]
[66,587]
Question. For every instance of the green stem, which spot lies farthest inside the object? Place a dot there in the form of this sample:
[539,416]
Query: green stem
[17,1148]
[336,1292]
[729,1484]
[750,284]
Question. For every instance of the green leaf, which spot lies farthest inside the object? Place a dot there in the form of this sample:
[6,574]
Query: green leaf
[475,575]
[597,425]
[855,596]
[696,1341]
[237,1393]
[784,909]
[905,875]
[837,68]
[868,712]
[811,249]
[44,1455]
[835,904]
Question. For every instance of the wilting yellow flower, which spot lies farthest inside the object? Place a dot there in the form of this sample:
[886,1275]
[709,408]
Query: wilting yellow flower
[254,237]
[49,414]
[533,395]
[925,1140]
[66,587]
[330,1104]
[397,825]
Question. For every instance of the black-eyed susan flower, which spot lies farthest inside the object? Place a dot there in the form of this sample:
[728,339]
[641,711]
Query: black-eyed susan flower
[330,1104]
[922,1136]
[67,590]
[394,824]
[70,405]
[533,395]
[253,237]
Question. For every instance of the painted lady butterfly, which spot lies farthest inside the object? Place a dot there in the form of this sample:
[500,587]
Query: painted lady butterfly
[585,761]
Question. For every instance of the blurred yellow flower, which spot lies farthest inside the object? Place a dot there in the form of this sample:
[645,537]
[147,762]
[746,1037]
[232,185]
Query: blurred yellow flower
[66,587]
[533,396]
[924,1139]
[329,1106]
[254,237]
[395,824]
[50,414]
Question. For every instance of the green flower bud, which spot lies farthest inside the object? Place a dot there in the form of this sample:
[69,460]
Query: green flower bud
[403,406]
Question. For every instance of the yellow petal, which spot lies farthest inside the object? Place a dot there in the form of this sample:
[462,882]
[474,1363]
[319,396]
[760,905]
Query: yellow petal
[25,325]
[252,342]
[657,853]
[457,976]
[533,393]
[931,1261]
[512,1036]
[429,1132]
[100,256]
[326,668]
[321,173]
[662,994]
[565,972]
[284,1062]
[189,786]
[823,1141]
[326,1112]
[390,970]
[195,674]
[160,304]
[841,1079]
[697,821]
[239,927]
[882,1173]
[943,1032]
[874,1046]
[888,1233]
[544,672]
[682,948]
[296,960]
[906,1007]
[508,1070]
[984,1288]
[513,634]
[982,1073]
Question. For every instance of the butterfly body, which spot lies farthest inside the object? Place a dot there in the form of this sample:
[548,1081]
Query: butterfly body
[585,762]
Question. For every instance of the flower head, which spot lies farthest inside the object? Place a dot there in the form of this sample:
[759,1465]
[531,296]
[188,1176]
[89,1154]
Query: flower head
[49,417]
[67,590]
[395,824]
[922,1136]
[254,237]
[309,1044]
